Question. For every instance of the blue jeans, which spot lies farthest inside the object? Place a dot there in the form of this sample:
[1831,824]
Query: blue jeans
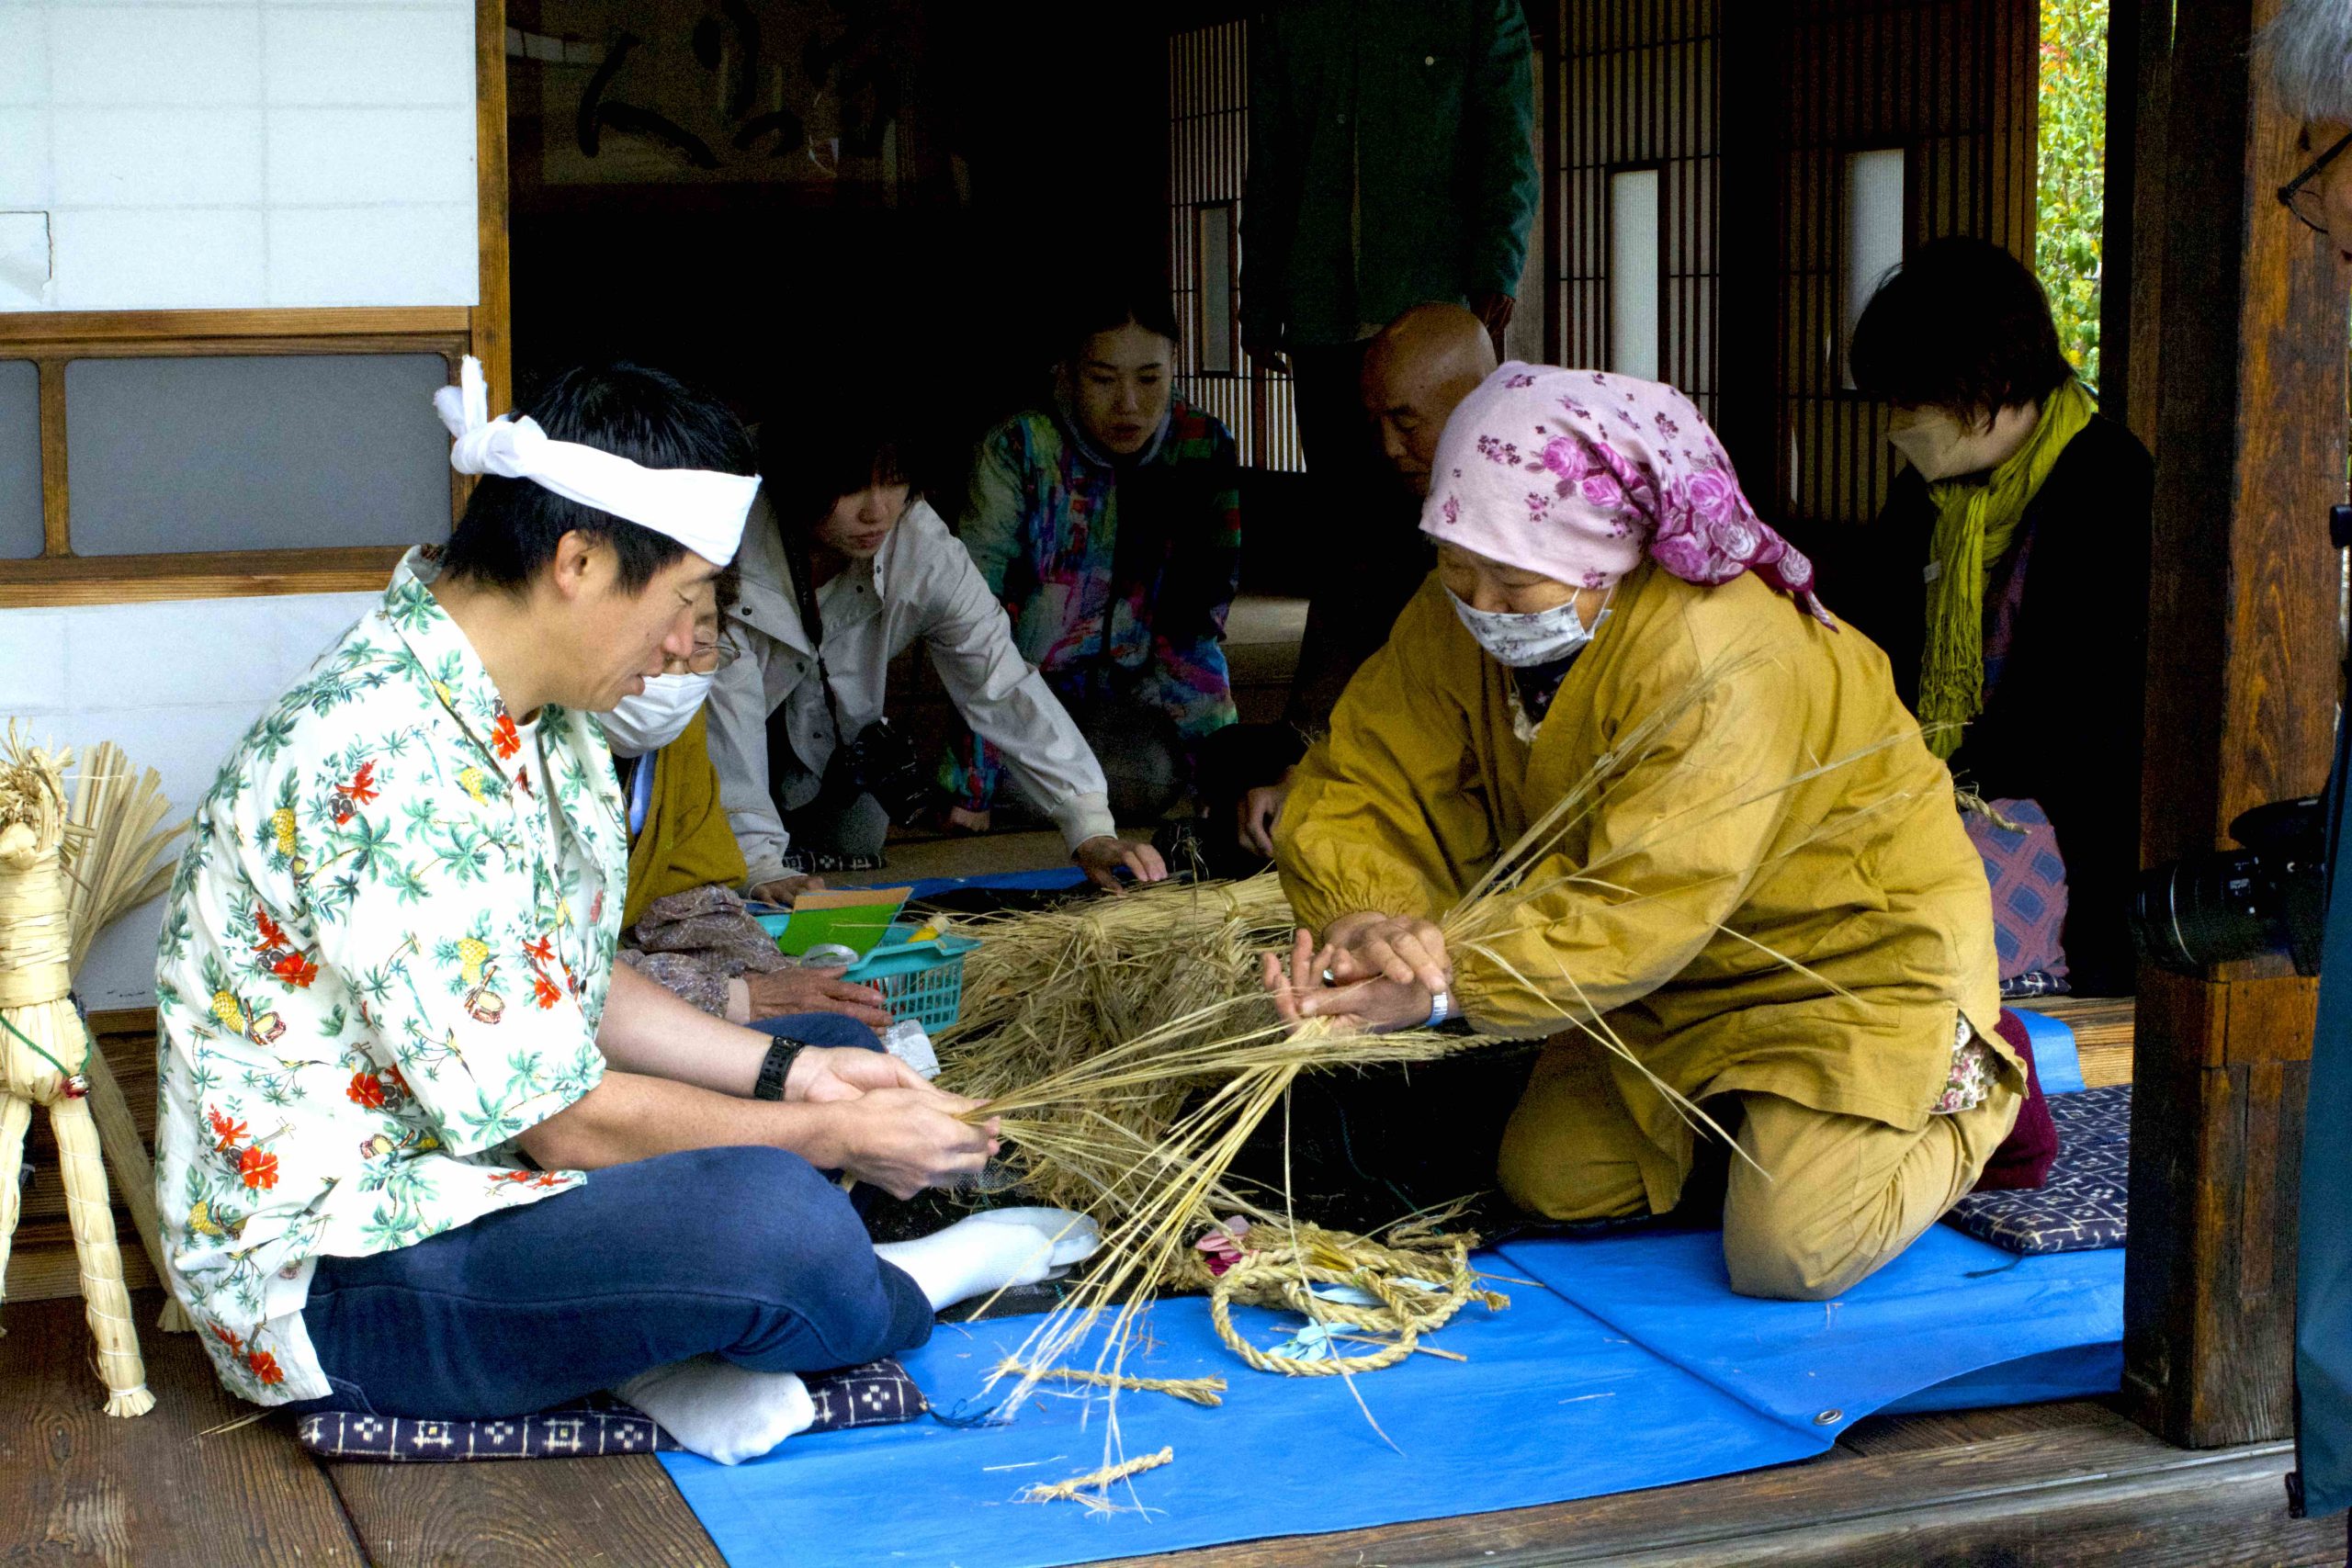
[828,1029]
[748,1253]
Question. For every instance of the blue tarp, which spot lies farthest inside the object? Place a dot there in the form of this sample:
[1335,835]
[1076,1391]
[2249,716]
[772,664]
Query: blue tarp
[1051,880]
[1637,1367]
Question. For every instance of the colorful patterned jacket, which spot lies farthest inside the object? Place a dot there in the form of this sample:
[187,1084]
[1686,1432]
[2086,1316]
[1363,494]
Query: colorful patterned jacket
[1144,555]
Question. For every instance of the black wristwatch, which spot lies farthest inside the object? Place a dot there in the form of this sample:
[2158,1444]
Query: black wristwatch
[773,1069]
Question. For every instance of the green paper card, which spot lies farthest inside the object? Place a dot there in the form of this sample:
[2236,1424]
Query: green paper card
[856,918]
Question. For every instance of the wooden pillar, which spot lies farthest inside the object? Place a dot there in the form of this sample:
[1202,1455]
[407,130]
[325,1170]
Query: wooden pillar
[2249,423]
[2138,62]
[492,313]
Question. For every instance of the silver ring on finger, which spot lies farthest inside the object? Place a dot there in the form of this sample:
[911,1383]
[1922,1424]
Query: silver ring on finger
[1329,978]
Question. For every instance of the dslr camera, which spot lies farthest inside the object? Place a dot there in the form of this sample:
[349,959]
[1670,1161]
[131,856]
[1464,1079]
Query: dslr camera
[882,763]
[2268,895]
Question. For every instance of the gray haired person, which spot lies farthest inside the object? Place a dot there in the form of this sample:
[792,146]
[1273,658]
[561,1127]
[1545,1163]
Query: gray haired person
[2309,50]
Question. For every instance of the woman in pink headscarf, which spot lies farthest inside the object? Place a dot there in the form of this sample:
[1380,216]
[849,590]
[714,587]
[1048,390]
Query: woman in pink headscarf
[1765,898]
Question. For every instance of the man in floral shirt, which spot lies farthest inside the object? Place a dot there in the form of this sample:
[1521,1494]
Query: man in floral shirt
[392,1028]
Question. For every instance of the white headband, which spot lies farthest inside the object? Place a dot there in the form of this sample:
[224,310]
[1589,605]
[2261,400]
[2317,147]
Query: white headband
[699,508]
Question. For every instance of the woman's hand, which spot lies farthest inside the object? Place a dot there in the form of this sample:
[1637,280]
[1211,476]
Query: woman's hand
[1394,947]
[817,990]
[1376,1006]
[1101,856]
[785,889]
[967,822]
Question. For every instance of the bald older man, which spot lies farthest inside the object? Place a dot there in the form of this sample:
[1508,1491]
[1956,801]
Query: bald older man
[1417,370]
[1415,375]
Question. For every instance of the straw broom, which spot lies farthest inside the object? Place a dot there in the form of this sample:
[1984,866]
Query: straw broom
[44,1051]
[115,837]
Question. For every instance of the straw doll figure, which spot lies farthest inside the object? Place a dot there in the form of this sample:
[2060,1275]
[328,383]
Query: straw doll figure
[43,1051]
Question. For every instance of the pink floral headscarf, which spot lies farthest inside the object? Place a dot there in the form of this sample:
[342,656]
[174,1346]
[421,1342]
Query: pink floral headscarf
[1572,473]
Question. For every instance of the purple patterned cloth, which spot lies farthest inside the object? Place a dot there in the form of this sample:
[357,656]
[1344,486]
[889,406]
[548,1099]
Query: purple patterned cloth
[1572,473]
[2028,880]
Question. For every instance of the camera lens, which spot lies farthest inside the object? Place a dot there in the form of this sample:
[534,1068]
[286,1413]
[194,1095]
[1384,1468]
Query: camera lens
[2206,910]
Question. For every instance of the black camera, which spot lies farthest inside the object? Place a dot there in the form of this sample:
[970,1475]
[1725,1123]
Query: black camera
[882,763]
[2272,894]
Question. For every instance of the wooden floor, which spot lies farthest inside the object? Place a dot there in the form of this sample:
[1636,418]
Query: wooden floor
[2056,1484]
[2059,1484]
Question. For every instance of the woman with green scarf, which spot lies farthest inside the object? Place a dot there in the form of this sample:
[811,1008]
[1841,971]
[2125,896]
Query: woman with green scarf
[2007,576]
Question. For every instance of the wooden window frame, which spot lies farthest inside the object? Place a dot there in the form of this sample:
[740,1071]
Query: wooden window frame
[53,339]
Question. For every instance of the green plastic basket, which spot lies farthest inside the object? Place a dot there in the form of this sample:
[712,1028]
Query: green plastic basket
[922,980]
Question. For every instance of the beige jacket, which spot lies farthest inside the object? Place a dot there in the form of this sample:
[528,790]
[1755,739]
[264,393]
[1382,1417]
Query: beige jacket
[922,587]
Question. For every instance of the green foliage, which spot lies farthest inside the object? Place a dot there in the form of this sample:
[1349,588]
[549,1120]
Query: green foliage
[2070,200]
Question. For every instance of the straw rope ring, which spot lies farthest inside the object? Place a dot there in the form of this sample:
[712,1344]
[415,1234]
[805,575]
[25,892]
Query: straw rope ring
[1282,1276]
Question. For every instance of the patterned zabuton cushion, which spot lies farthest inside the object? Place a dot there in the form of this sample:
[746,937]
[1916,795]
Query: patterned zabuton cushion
[875,1394]
[2083,1206]
[2028,878]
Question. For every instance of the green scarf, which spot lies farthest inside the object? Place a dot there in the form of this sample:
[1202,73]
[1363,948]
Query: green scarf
[1975,521]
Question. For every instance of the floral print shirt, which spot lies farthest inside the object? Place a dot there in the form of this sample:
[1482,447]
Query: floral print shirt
[385,954]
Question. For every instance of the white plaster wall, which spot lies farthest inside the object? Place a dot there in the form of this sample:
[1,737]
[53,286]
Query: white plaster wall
[176,686]
[236,153]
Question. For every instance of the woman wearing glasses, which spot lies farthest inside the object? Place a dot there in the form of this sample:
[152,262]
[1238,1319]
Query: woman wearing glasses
[844,568]
[683,924]
[2007,576]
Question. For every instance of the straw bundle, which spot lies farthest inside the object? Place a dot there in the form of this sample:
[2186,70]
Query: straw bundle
[44,1049]
[116,834]
[1141,1133]
[1046,994]
[115,837]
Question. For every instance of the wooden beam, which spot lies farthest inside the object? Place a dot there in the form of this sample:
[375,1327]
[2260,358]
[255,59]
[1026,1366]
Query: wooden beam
[2243,651]
[2132,247]
[120,580]
[55,539]
[58,351]
[492,316]
[33,328]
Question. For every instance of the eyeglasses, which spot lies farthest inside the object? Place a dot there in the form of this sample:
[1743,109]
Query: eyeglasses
[2303,198]
[707,659]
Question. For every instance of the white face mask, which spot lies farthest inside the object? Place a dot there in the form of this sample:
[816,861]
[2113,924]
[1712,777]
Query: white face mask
[1525,641]
[655,716]
[1942,447]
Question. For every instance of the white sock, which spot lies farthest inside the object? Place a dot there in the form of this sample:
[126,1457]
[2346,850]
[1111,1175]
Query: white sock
[719,1410]
[991,1250]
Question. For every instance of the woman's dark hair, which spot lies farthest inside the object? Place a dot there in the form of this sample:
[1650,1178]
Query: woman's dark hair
[511,527]
[824,442]
[1963,324]
[1107,305]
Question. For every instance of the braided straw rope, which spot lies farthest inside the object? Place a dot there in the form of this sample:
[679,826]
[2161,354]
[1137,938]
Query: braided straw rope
[1206,1391]
[43,1052]
[1284,1261]
[1095,1482]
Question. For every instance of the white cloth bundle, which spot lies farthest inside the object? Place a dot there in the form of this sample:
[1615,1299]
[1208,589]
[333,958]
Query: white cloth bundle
[701,508]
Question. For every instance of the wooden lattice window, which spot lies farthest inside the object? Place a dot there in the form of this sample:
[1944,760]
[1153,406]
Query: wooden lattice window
[1208,73]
